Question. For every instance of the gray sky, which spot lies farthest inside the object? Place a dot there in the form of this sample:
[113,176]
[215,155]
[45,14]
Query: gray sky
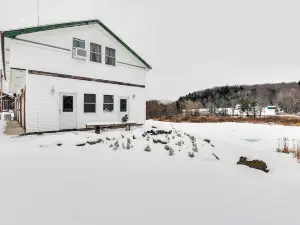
[191,44]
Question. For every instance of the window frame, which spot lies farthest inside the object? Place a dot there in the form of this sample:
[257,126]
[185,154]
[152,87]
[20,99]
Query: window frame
[113,57]
[90,103]
[126,99]
[96,52]
[108,103]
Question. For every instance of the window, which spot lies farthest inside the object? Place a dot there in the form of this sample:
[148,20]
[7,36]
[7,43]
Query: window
[89,103]
[77,43]
[79,47]
[108,103]
[110,56]
[123,105]
[67,103]
[95,52]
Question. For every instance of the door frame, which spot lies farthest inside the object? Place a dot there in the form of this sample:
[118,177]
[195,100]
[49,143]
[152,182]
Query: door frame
[60,94]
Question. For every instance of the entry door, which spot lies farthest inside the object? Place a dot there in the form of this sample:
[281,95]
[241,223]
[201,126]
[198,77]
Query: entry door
[124,107]
[67,111]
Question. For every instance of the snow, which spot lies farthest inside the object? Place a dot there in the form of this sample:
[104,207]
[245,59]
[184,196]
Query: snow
[42,183]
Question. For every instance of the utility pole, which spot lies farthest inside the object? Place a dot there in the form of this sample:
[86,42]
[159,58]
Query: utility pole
[1,76]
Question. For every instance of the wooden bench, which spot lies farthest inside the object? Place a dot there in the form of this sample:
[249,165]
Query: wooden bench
[99,125]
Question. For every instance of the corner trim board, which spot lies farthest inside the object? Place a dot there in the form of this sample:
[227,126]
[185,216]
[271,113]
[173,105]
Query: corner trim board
[35,72]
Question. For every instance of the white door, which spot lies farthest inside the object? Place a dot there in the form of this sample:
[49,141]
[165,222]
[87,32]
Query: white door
[123,108]
[67,111]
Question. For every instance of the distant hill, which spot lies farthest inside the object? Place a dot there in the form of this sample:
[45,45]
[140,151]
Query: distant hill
[283,95]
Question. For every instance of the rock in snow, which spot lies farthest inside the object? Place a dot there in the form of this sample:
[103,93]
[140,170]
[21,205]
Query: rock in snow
[256,164]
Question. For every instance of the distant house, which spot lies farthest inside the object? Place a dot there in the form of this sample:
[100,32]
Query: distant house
[7,102]
[69,74]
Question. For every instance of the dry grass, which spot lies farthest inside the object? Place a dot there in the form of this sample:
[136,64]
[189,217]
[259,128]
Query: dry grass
[281,120]
[284,145]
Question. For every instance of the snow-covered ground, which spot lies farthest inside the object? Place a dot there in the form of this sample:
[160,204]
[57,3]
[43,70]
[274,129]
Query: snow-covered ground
[42,183]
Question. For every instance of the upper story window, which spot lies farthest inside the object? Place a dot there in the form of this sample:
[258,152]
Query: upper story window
[110,56]
[79,50]
[95,52]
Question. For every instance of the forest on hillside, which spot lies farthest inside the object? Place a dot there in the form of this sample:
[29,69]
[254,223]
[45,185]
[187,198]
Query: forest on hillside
[285,96]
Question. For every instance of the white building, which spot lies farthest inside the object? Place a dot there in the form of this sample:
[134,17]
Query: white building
[67,75]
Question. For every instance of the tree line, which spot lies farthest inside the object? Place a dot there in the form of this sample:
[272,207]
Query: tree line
[285,96]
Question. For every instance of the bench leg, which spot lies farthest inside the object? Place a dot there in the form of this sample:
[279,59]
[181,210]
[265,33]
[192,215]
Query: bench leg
[97,130]
[128,127]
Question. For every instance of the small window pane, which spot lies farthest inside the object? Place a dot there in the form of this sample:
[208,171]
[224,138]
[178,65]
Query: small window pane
[95,48]
[123,105]
[89,98]
[77,43]
[89,108]
[67,103]
[108,98]
[94,57]
[81,52]
[108,107]
[110,52]
[110,61]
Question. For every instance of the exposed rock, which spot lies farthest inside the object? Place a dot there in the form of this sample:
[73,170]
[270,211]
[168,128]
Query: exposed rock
[133,137]
[212,145]
[59,144]
[255,164]
[122,135]
[159,141]
[107,138]
[207,140]
[81,144]
[94,142]
[157,132]
[154,127]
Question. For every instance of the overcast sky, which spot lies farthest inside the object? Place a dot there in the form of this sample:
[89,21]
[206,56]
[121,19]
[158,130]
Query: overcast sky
[191,44]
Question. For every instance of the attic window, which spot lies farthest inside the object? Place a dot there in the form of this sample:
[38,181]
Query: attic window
[77,43]
[110,56]
[79,48]
[95,52]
